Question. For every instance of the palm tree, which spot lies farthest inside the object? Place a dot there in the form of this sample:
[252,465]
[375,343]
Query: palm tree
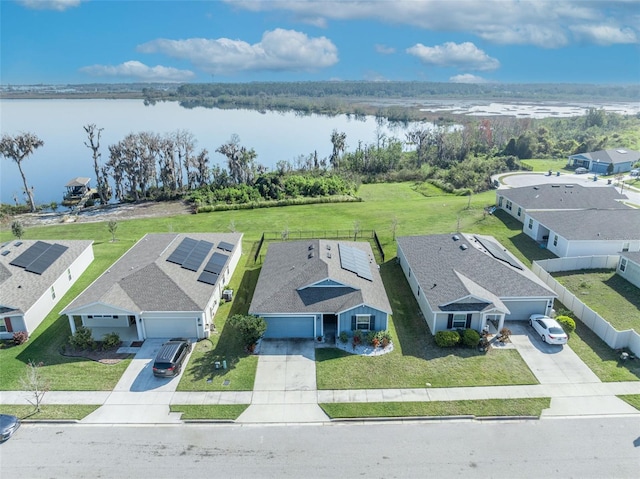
[17,149]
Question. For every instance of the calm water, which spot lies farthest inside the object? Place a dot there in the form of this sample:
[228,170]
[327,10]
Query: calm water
[59,123]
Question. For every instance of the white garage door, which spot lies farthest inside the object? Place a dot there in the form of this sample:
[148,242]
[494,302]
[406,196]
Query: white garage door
[170,328]
[289,327]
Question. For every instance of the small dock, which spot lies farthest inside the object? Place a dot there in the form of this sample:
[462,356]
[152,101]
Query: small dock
[78,192]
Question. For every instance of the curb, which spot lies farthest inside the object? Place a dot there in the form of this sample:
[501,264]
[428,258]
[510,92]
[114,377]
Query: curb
[50,421]
[468,417]
[208,421]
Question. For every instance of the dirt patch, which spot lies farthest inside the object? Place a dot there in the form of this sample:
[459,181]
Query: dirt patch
[109,356]
[125,211]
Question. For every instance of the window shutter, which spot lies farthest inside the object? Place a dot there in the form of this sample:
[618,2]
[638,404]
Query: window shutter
[468,325]
[450,321]
[7,322]
[353,323]
[372,323]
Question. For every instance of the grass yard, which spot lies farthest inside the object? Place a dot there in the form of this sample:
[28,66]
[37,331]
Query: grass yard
[607,293]
[210,411]
[481,408]
[633,399]
[225,345]
[546,165]
[50,411]
[416,361]
[601,359]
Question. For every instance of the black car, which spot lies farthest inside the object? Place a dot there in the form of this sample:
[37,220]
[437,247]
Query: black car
[169,360]
[8,425]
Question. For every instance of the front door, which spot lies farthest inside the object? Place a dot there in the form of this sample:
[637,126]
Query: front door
[329,327]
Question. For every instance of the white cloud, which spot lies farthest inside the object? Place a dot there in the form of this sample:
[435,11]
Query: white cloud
[467,78]
[384,50]
[58,5]
[604,34]
[459,55]
[139,71]
[544,23]
[279,50]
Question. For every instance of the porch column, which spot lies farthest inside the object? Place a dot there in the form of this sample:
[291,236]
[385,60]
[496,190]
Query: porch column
[72,324]
[140,328]
[501,323]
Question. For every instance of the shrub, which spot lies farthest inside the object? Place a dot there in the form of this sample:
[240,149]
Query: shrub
[20,337]
[470,338]
[250,327]
[343,337]
[384,338]
[371,335]
[111,340]
[567,323]
[357,336]
[447,339]
[82,339]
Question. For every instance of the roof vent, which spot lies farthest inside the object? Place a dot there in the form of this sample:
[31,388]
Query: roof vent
[568,186]
[5,252]
[310,247]
[463,246]
[536,187]
[555,186]
[329,247]
[455,237]
[329,255]
[18,243]
[622,152]
[310,255]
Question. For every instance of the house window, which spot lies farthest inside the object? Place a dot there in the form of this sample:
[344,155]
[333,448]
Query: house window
[500,201]
[530,223]
[103,316]
[623,264]
[509,205]
[69,274]
[459,321]
[555,240]
[53,293]
[362,321]
[625,247]
[519,210]
[3,325]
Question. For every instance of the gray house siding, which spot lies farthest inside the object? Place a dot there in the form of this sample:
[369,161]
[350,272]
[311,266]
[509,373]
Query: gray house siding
[427,312]
[631,270]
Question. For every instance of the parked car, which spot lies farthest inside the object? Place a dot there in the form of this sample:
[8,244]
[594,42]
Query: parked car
[170,357]
[548,328]
[581,170]
[8,425]
[635,172]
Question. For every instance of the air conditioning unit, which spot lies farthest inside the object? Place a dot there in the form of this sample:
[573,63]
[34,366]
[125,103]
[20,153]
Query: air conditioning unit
[227,294]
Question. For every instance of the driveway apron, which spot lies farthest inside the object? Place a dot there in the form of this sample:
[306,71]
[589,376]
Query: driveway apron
[285,386]
[139,397]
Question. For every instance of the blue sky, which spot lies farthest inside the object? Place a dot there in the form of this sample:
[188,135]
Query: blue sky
[505,41]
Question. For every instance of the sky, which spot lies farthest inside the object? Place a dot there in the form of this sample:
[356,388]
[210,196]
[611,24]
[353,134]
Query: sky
[464,41]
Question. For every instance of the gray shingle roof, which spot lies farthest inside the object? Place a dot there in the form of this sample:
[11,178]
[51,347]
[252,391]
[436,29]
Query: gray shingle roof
[632,256]
[142,279]
[620,155]
[20,289]
[564,197]
[288,269]
[592,224]
[447,273]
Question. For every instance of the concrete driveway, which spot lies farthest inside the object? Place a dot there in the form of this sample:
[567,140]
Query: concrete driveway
[551,364]
[285,386]
[140,397]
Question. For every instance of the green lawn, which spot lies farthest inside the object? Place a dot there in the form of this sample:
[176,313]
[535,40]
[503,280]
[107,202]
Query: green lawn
[416,360]
[50,411]
[210,411]
[481,408]
[607,293]
[546,165]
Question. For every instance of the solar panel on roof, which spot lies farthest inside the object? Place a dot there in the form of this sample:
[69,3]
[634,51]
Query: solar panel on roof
[356,261]
[182,251]
[496,251]
[216,263]
[197,255]
[224,246]
[46,259]
[26,258]
[209,278]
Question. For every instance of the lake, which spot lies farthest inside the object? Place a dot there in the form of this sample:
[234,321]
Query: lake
[59,123]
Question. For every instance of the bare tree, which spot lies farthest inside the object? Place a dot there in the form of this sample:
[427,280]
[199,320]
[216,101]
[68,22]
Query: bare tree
[240,161]
[34,383]
[17,148]
[394,226]
[338,139]
[94,133]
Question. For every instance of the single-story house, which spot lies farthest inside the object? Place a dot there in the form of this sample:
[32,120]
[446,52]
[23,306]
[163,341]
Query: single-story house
[621,160]
[585,233]
[34,276]
[316,288]
[629,267]
[470,281]
[166,285]
[518,201]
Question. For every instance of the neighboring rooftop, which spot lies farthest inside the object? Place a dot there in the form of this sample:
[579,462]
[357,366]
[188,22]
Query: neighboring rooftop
[618,155]
[449,269]
[22,286]
[143,279]
[78,181]
[632,256]
[347,271]
[621,224]
[564,197]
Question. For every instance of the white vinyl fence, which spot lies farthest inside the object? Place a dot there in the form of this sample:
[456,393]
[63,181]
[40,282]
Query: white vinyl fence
[610,335]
